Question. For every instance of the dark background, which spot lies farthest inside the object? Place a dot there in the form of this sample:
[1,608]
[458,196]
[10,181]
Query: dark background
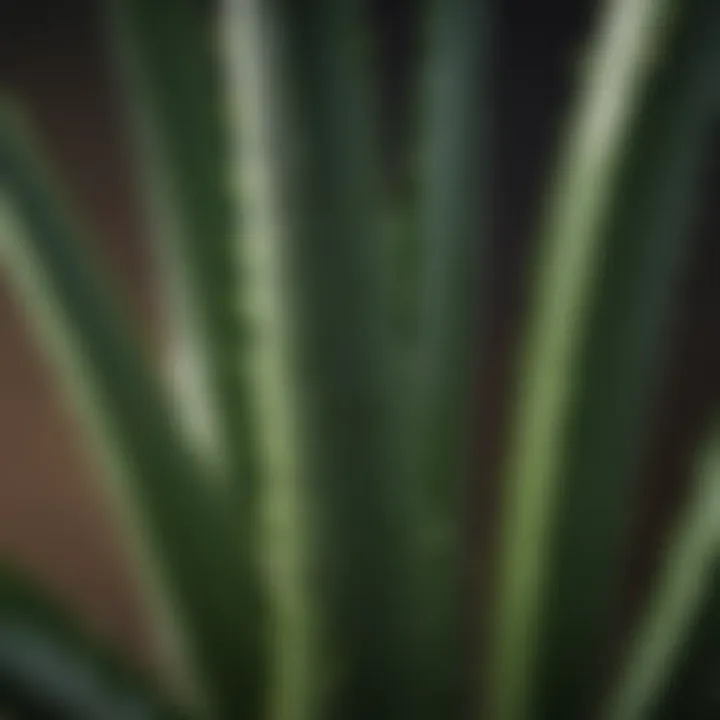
[54,63]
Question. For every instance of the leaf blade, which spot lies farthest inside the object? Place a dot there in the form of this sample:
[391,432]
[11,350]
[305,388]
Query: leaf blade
[452,226]
[167,65]
[614,251]
[181,530]
[686,584]
[311,247]
[51,667]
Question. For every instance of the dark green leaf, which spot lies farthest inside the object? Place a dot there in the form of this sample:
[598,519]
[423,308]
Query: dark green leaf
[50,667]
[306,162]
[452,228]
[182,524]
[673,661]
[167,51]
[612,253]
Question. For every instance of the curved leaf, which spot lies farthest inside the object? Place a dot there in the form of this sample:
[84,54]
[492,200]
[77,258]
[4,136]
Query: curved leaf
[170,73]
[612,251]
[678,622]
[305,164]
[51,668]
[173,516]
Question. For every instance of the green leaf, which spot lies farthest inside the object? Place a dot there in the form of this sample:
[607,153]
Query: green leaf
[50,667]
[172,515]
[677,614]
[452,229]
[612,252]
[170,73]
[305,164]
[691,689]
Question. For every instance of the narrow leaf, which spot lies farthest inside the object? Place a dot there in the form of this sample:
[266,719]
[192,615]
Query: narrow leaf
[50,667]
[691,689]
[305,164]
[611,253]
[166,53]
[687,584]
[173,516]
[452,229]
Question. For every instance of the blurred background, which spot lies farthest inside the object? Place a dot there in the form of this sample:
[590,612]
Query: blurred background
[54,519]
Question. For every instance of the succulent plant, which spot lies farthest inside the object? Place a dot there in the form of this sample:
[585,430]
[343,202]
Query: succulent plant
[295,485]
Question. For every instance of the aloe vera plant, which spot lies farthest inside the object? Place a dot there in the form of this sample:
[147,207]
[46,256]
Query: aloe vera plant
[300,519]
